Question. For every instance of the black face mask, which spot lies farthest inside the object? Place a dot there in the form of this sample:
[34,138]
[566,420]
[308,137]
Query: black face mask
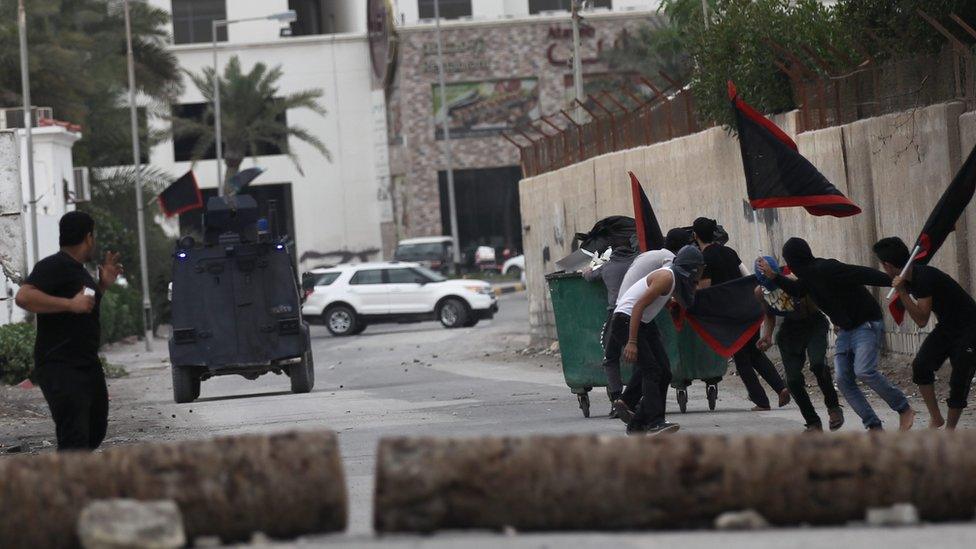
[687,267]
[797,254]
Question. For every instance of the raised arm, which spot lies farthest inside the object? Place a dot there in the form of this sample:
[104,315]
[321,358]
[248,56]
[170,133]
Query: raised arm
[856,274]
[31,299]
[769,323]
[921,310]
[794,288]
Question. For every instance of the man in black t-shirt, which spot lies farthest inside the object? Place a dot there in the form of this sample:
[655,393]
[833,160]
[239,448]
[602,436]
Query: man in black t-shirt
[722,264]
[65,298]
[924,290]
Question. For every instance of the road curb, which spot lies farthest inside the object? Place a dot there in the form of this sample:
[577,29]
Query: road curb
[667,482]
[509,289]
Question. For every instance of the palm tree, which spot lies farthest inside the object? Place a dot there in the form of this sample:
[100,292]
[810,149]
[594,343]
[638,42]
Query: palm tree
[251,110]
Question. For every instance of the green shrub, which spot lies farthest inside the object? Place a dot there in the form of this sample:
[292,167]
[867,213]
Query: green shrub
[16,352]
[120,313]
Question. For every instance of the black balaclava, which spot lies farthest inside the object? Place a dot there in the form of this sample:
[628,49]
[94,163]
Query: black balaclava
[797,254]
[624,250]
[677,239]
[687,267]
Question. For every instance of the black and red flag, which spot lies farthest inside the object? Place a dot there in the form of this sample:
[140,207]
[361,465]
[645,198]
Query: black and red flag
[942,220]
[649,234]
[726,316]
[777,175]
[183,195]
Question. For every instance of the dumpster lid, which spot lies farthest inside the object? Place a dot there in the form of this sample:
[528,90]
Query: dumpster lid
[559,275]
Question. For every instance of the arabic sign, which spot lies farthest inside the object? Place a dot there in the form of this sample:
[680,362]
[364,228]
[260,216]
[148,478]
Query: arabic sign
[486,107]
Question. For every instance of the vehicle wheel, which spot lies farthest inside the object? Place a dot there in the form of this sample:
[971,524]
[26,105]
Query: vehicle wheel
[683,400]
[453,313]
[711,391]
[302,374]
[186,385]
[514,271]
[584,403]
[360,328]
[341,320]
[472,322]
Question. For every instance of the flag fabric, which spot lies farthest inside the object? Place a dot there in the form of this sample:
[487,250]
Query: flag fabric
[183,195]
[649,234]
[777,175]
[726,316]
[243,178]
[942,221]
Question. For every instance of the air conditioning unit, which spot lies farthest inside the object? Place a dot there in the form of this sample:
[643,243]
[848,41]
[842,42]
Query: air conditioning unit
[14,118]
[81,190]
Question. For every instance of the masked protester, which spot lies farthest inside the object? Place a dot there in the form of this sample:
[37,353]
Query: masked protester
[633,319]
[66,299]
[722,264]
[803,333]
[838,290]
[924,290]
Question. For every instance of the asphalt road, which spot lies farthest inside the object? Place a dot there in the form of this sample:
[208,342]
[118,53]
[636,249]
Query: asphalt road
[420,379]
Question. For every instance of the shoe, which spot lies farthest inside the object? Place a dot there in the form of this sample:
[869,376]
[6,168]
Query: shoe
[613,398]
[813,428]
[784,397]
[624,413]
[760,409]
[836,416]
[876,428]
[662,428]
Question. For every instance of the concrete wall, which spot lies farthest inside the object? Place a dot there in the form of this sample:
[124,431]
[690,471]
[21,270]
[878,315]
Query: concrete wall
[894,167]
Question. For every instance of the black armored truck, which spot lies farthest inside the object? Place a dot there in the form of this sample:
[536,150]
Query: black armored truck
[235,303]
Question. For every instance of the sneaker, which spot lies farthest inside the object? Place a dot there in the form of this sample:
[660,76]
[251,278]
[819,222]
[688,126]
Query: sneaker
[624,413]
[813,428]
[836,416]
[662,428]
[613,413]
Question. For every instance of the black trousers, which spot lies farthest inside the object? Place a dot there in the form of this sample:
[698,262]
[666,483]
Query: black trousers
[749,362]
[78,399]
[647,389]
[959,347]
[611,359]
[797,340]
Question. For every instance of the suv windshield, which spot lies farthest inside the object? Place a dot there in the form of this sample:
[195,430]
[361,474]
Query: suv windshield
[411,252]
[434,277]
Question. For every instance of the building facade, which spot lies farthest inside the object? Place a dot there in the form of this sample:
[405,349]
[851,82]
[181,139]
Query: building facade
[501,74]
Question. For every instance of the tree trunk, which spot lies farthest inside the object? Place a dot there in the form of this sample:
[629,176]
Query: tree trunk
[613,483]
[232,162]
[284,485]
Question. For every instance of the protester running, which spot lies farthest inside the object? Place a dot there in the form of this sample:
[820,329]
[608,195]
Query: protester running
[644,300]
[643,265]
[924,290]
[722,264]
[66,299]
[802,334]
[838,290]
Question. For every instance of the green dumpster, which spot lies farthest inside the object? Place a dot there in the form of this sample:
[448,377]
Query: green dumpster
[580,308]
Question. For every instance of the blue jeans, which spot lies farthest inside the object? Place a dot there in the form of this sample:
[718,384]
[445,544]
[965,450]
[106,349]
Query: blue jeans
[857,359]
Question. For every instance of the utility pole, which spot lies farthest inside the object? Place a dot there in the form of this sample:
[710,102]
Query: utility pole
[28,128]
[577,60]
[140,214]
[446,123]
[218,140]
[705,12]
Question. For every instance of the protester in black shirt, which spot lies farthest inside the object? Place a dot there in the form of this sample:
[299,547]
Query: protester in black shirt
[66,299]
[925,290]
[722,264]
[838,290]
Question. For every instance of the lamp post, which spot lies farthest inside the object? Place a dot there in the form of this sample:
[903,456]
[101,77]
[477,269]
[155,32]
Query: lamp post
[28,126]
[577,59]
[140,214]
[448,159]
[283,17]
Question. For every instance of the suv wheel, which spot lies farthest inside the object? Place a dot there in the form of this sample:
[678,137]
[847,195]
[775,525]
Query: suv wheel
[341,320]
[453,313]
[186,385]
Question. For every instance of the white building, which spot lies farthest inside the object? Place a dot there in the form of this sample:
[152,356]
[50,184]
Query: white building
[334,209]
[410,12]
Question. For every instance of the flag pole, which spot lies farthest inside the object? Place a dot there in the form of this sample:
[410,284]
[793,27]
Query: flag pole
[904,270]
[755,221]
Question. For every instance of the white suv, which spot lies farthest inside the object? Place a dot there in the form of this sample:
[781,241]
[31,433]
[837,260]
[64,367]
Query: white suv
[347,298]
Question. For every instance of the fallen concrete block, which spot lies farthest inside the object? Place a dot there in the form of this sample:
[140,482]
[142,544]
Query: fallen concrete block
[903,514]
[741,520]
[131,524]
[681,481]
[284,485]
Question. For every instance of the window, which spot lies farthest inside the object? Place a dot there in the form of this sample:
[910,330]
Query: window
[193,20]
[450,9]
[371,276]
[421,252]
[326,279]
[403,276]
[183,146]
[539,6]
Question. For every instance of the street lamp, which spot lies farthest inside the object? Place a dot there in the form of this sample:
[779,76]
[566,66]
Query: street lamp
[28,127]
[284,17]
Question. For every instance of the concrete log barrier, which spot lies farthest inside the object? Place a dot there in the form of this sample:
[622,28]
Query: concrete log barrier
[679,481]
[284,485]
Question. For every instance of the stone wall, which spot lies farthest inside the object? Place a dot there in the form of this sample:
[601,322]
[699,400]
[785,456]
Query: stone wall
[894,167]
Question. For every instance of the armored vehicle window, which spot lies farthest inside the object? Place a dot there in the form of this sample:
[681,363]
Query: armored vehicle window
[372,276]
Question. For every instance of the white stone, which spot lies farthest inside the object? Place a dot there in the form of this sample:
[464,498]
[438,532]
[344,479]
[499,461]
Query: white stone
[741,520]
[131,524]
[902,514]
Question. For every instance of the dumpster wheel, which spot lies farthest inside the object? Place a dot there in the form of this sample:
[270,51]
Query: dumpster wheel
[683,400]
[584,403]
[711,391]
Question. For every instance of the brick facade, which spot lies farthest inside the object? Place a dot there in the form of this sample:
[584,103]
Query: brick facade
[534,48]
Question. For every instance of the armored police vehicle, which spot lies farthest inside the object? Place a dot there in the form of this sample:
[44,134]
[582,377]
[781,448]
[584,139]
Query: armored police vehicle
[235,303]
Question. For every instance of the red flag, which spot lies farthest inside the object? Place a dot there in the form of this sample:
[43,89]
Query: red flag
[726,316]
[942,221]
[181,196]
[649,233]
[777,175]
